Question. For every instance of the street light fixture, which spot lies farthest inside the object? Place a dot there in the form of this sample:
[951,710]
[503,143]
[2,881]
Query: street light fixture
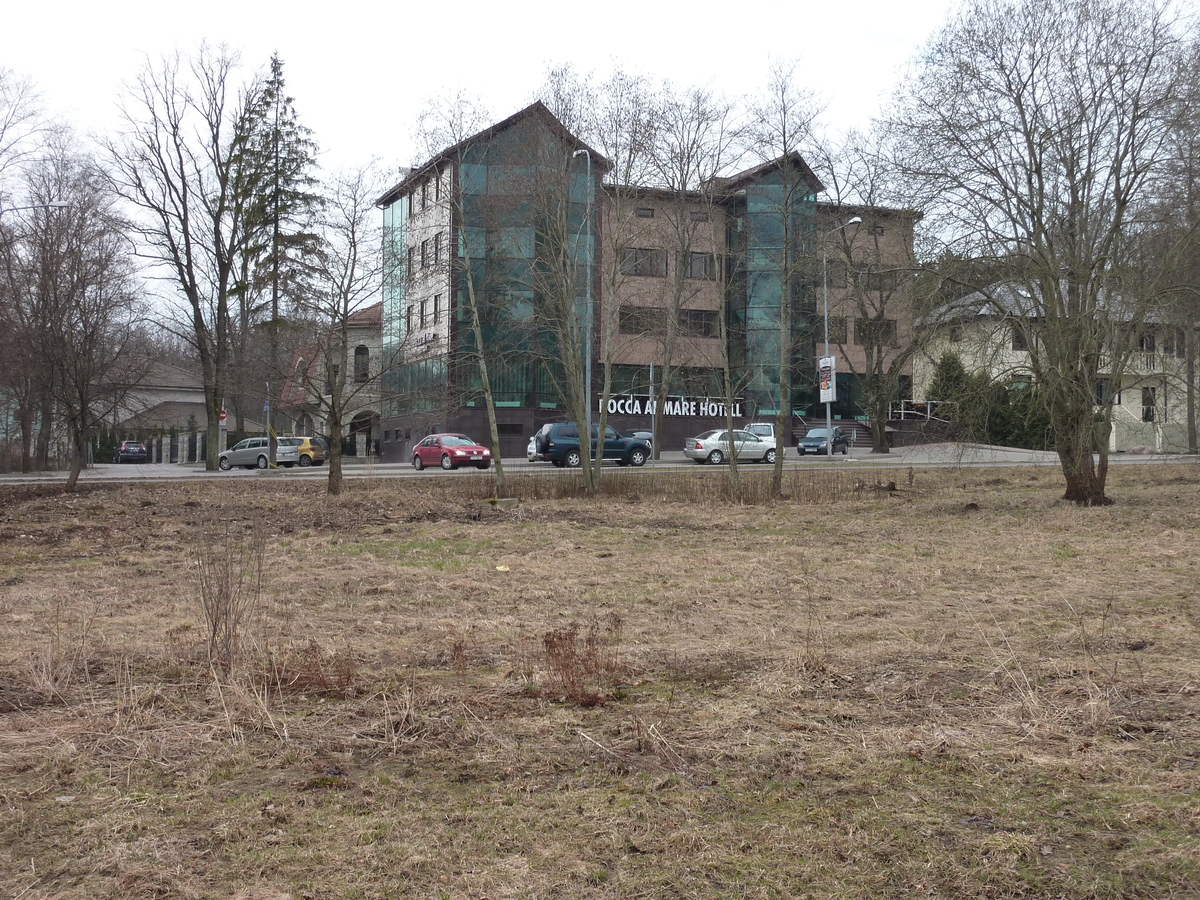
[833,371]
[53,204]
[587,328]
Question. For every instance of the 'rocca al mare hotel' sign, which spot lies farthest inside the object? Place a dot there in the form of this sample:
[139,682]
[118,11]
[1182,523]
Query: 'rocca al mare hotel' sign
[644,405]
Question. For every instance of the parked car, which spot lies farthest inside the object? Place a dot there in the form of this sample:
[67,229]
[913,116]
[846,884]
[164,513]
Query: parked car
[766,431]
[131,451]
[287,451]
[647,436]
[450,451]
[715,447]
[559,443]
[312,451]
[817,441]
[248,454]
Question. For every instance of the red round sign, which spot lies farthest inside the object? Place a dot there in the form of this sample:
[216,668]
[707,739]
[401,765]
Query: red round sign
[224,416]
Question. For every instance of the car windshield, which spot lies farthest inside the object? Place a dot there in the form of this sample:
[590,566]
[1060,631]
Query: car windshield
[457,440]
[711,436]
[816,433]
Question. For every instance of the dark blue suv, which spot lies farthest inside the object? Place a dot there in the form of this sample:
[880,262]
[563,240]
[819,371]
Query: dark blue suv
[559,443]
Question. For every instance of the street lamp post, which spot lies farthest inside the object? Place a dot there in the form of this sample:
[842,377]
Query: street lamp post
[833,372]
[587,327]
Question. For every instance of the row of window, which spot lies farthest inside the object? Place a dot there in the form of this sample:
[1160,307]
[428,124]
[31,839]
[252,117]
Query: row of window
[423,313]
[652,320]
[1146,339]
[652,263]
[430,254]
[430,191]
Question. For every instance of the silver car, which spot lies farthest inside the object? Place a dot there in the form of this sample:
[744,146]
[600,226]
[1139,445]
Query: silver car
[255,453]
[714,447]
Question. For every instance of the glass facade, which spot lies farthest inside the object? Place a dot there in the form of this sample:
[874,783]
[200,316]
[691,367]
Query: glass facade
[772,306]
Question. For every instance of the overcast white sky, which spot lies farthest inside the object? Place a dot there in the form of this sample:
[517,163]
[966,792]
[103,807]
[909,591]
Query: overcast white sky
[360,71]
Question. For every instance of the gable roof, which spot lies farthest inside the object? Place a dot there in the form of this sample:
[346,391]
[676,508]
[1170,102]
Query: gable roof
[789,160]
[537,110]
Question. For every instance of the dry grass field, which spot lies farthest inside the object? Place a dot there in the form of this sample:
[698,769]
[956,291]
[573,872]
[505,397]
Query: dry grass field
[963,688]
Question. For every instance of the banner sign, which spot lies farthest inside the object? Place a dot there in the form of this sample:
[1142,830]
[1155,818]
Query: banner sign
[828,379]
[645,405]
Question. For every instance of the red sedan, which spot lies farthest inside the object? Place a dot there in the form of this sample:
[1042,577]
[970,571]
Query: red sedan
[450,451]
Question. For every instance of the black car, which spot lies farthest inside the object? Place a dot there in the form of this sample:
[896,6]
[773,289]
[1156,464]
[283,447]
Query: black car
[559,443]
[131,452]
[817,441]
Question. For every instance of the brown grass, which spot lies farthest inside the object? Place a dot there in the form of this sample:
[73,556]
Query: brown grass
[962,688]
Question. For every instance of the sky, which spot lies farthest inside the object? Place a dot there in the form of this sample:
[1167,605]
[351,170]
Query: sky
[360,72]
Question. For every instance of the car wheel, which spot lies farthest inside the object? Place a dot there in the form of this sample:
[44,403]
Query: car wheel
[417,464]
[305,462]
[769,457]
[263,462]
[447,462]
[845,449]
[224,464]
[573,459]
[637,457]
[716,458]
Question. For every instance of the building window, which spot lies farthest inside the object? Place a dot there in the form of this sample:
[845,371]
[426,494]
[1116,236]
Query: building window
[362,363]
[408,319]
[641,261]
[1104,392]
[424,194]
[645,212]
[698,265]
[837,329]
[873,278]
[437,186]
[1146,343]
[425,253]
[1019,341]
[642,320]
[437,308]
[875,332]
[437,249]
[699,323]
[1149,404]
[1174,342]
[835,273]
[424,312]
[412,269]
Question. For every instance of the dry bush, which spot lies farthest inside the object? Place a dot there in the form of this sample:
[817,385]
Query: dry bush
[229,572]
[306,670]
[54,665]
[583,664]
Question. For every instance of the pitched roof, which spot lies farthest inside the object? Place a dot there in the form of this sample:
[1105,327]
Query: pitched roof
[536,110]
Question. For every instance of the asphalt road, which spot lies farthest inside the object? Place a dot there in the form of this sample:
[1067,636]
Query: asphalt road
[924,456]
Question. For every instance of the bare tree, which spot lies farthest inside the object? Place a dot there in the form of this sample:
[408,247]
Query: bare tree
[781,123]
[183,163]
[873,270]
[21,124]
[348,271]
[75,280]
[1036,128]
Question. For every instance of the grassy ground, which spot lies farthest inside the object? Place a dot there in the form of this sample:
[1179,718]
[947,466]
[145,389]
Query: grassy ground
[961,688]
